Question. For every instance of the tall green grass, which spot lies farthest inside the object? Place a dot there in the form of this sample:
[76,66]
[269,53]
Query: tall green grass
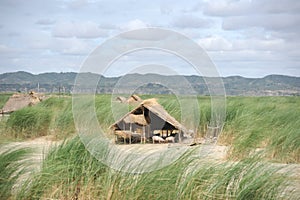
[12,167]
[52,116]
[29,122]
[268,123]
[3,99]
[67,171]
[63,122]
[70,172]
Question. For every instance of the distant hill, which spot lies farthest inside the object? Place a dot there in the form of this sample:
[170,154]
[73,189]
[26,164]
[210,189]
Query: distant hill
[234,85]
[22,77]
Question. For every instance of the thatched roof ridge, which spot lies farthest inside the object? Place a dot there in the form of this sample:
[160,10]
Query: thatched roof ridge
[134,98]
[153,106]
[121,99]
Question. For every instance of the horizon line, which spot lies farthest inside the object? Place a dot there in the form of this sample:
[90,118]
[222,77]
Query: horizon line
[237,75]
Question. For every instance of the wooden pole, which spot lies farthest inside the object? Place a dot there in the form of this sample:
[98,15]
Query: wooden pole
[144,135]
[130,138]
[180,136]
[130,133]
[148,131]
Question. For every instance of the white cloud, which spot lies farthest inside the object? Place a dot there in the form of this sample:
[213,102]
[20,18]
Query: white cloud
[77,4]
[191,21]
[225,8]
[259,44]
[106,25]
[45,21]
[247,55]
[45,44]
[73,46]
[253,7]
[87,29]
[4,49]
[133,24]
[38,33]
[218,43]
[215,43]
[144,35]
[166,9]
[278,22]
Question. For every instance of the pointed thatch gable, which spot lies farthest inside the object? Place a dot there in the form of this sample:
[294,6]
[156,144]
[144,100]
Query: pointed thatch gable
[147,118]
[134,98]
[121,99]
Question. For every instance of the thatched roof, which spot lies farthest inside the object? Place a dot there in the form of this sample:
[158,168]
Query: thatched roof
[134,98]
[18,101]
[156,108]
[137,116]
[138,119]
[121,99]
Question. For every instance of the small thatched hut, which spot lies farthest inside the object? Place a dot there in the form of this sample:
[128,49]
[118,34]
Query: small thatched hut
[134,99]
[18,101]
[121,99]
[146,120]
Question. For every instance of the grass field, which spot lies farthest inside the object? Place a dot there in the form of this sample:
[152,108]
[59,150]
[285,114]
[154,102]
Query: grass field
[269,123]
[3,99]
[70,172]
[258,130]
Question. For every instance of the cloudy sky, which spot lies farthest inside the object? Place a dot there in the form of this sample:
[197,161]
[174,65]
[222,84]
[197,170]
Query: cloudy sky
[251,38]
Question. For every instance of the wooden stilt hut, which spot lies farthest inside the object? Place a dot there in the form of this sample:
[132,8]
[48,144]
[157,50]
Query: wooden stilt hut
[147,119]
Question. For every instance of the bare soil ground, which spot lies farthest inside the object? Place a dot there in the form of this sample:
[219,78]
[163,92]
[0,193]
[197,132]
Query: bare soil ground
[214,152]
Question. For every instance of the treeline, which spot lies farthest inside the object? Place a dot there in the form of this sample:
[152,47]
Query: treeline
[272,85]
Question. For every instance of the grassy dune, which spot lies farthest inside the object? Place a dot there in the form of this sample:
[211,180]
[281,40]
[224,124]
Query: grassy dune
[268,123]
[264,122]
[259,130]
[12,166]
[70,172]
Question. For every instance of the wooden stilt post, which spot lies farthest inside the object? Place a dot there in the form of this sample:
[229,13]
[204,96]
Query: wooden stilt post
[180,136]
[144,135]
[148,132]
[130,138]
[130,133]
